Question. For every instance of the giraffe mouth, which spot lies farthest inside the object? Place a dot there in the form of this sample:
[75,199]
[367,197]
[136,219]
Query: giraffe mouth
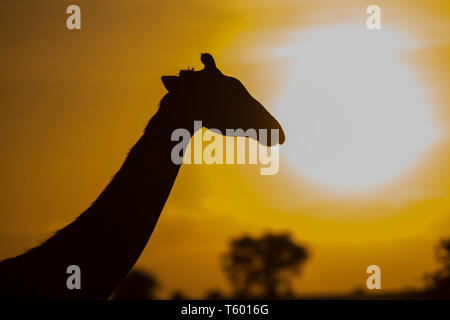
[209,147]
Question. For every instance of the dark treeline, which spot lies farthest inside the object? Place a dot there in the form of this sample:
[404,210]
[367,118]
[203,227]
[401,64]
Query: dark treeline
[264,268]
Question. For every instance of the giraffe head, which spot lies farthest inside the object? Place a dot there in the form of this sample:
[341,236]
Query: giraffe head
[221,102]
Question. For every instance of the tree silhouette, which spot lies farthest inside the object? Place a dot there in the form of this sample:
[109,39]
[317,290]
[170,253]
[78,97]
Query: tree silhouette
[214,294]
[138,285]
[178,295]
[440,280]
[263,267]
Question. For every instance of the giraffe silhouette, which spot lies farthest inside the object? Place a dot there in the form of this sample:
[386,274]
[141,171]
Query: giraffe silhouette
[106,240]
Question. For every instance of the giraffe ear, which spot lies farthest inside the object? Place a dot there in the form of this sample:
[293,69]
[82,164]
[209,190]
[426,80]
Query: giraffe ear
[171,82]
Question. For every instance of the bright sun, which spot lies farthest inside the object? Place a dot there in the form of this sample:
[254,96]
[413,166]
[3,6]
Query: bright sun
[353,114]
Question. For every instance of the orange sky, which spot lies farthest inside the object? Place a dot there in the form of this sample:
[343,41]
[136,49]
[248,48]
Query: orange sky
[74,102]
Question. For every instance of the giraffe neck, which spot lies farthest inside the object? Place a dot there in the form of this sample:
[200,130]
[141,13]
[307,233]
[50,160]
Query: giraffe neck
[108,238]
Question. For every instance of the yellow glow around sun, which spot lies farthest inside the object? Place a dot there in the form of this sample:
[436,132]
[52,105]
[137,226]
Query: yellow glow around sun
[353,114]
